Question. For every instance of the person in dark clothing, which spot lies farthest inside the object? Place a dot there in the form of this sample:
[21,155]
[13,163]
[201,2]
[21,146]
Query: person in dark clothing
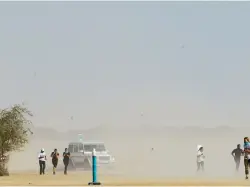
[237,153]
[54,155]
[66,156]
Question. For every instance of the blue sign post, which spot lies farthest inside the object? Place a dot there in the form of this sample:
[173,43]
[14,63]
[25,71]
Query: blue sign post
[94,170]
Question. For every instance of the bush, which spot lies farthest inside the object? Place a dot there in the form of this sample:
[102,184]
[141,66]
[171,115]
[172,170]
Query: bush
[14,131]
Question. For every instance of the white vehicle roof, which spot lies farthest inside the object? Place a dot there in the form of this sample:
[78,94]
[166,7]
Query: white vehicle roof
[93,142]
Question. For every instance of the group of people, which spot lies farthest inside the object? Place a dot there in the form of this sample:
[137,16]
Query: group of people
[236,153]
[54,157]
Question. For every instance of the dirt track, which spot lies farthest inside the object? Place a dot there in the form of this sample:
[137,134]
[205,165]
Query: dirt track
[81,179]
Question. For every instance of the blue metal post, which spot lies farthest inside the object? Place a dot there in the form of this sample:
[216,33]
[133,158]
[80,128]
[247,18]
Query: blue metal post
[94,169]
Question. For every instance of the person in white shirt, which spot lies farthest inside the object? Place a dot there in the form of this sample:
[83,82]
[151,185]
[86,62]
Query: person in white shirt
[42,159]
[200,158]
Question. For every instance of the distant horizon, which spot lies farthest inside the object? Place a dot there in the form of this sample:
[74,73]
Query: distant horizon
[139,127]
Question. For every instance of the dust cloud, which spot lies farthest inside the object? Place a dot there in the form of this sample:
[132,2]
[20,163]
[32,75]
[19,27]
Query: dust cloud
[146,152]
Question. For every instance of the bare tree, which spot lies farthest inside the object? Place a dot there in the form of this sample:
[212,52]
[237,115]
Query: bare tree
[14,133]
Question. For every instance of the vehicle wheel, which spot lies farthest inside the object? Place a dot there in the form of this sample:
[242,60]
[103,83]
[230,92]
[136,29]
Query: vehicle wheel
[87,164]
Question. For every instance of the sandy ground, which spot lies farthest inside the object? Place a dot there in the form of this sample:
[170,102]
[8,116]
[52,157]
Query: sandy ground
[82,178]
[136,163]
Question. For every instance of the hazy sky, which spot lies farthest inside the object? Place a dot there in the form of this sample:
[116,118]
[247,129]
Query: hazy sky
[106,63]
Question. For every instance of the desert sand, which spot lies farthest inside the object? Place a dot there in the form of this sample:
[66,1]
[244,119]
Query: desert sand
[82,179]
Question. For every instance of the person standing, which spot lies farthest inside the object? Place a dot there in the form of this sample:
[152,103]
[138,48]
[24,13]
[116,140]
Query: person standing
[66,156]
[200,158]
[54,155]
[237,153]
[42,159]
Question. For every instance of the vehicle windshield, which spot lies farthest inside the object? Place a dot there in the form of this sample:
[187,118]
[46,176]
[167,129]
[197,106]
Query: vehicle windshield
[98,147]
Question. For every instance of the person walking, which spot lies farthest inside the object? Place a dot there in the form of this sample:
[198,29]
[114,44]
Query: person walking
[66,156]
[246,156]
[54,155]
[237,153]
[200,158]
[42,161]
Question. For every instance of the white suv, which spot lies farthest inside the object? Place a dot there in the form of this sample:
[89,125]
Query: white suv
[81,152]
